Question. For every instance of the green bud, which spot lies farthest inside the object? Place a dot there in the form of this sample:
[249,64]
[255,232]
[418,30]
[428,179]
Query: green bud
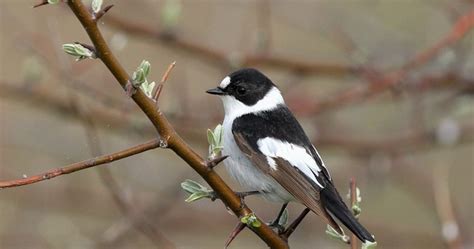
[196,190]
[215,140]
[53,1]
[251,220]
[79,51]
[145,66]
[147,88]
[138,77]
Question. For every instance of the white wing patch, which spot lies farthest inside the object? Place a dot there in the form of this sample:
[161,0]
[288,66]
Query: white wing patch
[294,154]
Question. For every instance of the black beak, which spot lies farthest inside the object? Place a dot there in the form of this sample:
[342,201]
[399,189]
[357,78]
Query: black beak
[216,91]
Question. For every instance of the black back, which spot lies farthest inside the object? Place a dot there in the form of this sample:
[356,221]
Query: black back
[278,123]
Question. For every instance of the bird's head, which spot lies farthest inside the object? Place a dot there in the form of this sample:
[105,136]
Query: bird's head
[247,90]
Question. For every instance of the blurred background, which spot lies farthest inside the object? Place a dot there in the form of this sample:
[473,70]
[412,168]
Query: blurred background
[383,88]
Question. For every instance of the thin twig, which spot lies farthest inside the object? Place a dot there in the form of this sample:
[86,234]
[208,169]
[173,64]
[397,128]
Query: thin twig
[82,165]
[353,194]
[449,226]
[164,78]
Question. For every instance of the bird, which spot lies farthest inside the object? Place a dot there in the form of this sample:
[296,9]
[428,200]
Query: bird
[268,150]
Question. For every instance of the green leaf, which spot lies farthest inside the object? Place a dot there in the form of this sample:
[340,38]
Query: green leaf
[145,66]
[284,218]
[335,235]
[218,134]
[78,50]
[196,190]
[96,5]
[197,196]
[147,88]
[191,186]
[53,1]
[210,137]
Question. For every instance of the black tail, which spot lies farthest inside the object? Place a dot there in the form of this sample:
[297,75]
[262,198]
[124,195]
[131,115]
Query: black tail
[333,203]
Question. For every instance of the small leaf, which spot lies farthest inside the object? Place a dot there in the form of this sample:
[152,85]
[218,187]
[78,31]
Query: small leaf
[210,137]
[147,88]
[78,50]
[218,133]
[369,245]
[53,1]
[138,77]
[191,186]
[145,66]
[284,218]
[356,210]
[96,5]
[197,196]
[335,235]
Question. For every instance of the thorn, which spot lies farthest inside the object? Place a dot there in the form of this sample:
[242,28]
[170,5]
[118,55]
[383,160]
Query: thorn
[102,12]
[44,2]
[214,162]
[238,228]
[164,78]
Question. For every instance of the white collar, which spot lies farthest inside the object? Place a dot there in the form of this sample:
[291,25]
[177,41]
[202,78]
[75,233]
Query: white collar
[234,108]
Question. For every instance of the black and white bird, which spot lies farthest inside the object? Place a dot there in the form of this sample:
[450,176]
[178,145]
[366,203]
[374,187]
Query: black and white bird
[269,152]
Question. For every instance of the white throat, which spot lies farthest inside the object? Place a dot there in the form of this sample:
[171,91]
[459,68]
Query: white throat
[233,108]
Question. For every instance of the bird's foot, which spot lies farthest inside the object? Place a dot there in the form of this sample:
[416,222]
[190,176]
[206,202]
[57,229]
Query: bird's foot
[280,229]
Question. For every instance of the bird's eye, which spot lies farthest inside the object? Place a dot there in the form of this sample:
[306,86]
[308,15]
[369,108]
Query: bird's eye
[241,90]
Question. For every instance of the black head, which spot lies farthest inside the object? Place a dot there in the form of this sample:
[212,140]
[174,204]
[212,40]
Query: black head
[247,85]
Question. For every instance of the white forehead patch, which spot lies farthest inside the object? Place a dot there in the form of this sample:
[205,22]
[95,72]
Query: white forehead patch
[225,82]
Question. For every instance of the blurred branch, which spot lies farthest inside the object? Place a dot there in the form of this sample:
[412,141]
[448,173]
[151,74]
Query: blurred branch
[407,141]
[222,59]
[82,165]
[128,208]
[449,225]
[353,195]
[463,25]
[165,129]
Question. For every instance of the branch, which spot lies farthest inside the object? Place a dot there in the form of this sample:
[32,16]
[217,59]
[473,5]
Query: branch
[222,59]
[82,165]
[353,194]
[463,25]
[442,196]
[166,131]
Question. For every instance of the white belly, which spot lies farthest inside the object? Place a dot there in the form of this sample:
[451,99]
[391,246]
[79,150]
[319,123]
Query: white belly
[249,176]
